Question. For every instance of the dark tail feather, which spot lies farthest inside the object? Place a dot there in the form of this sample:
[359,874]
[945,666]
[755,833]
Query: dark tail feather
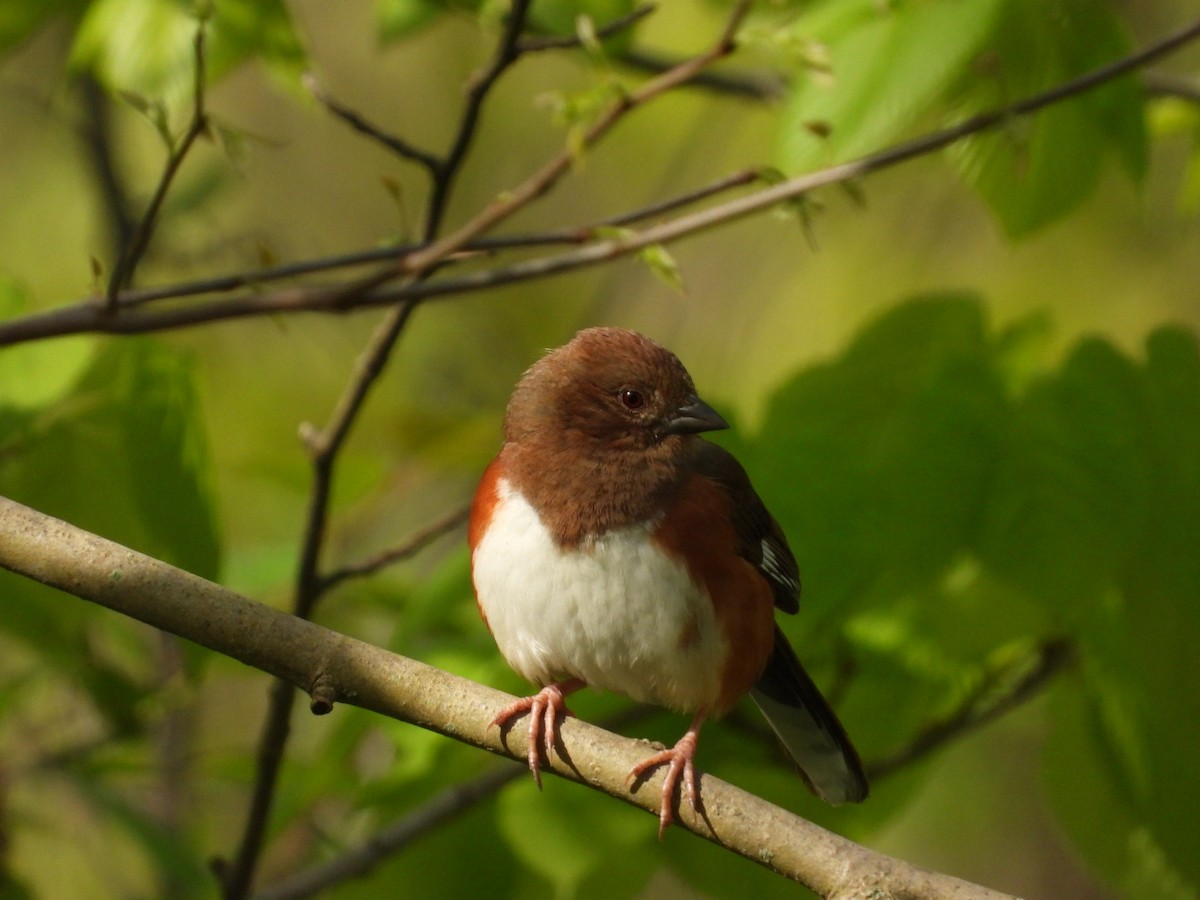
[808,728]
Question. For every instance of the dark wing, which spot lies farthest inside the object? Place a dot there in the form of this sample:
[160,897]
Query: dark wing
[762,541]
[792,704]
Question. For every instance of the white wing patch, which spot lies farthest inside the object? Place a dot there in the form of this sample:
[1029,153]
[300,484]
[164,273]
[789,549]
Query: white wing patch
[770,565]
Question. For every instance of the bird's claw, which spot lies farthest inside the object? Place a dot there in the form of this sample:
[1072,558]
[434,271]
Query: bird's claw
[679,761]
[544,708]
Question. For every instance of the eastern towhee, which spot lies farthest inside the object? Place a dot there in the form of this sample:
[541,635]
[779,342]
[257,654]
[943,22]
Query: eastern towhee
[613,547]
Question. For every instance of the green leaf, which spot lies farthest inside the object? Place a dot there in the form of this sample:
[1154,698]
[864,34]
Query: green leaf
[1098,819]
[888,65]
[121,453]
[399,19]
[1072,492]
[561,17]
[436,868]
[663,265]
[35,373]
[876,463]
[1097,513]
[570,835]
[20,20]
[1036,169]
[260,30]
[124,454]
[145,47]
[187,869]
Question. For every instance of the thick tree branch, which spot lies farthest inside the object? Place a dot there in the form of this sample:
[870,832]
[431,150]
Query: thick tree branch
[304,654]
[1003,688]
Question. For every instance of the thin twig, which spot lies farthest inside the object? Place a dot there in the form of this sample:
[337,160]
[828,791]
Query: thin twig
[407,550]
[324,447]
[720,186]
[83,317]
[359,123]
[132,253]
[507,52]
[362,859]
[483,245]
[737,84]
[416,823]
[97,133]
[985,705]
[541,181]
[569,42]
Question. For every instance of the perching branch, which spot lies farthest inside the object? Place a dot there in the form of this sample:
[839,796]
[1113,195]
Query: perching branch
[306,655]
[1005,688]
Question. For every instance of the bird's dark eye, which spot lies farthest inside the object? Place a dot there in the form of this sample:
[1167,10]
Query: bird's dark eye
[632,400]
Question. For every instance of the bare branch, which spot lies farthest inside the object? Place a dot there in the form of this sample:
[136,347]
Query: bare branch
[324,447]
[483,245]
[304,654]
[397,145]
[430,815]
[507,52]
[546,177]
[1001,691]
[407,550]
[616,26]
[361,860]
[97,135]
[736,84]
[84,317]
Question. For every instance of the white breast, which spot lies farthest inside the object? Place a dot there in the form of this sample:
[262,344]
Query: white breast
[616,611]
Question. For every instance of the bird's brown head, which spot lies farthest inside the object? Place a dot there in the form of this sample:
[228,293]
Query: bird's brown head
[606,420]
[610,387]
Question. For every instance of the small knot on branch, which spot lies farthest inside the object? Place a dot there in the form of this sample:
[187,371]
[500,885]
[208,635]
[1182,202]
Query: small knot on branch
[323,693]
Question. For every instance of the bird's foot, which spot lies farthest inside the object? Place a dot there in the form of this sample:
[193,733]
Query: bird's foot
[679,762]
[545,708]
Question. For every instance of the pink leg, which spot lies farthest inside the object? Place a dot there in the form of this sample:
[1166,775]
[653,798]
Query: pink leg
[680,758]
[544,708]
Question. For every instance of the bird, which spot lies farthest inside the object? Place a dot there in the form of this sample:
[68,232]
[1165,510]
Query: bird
[613,547]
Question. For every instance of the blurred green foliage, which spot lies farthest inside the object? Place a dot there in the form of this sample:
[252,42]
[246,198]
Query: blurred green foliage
[957,491]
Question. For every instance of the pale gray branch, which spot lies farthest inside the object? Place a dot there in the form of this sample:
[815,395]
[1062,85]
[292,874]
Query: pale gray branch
[341,668]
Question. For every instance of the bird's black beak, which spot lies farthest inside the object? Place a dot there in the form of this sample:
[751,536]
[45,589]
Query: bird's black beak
[693,417]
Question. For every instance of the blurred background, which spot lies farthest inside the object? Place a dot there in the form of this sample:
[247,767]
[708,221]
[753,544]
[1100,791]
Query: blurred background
[775,318]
